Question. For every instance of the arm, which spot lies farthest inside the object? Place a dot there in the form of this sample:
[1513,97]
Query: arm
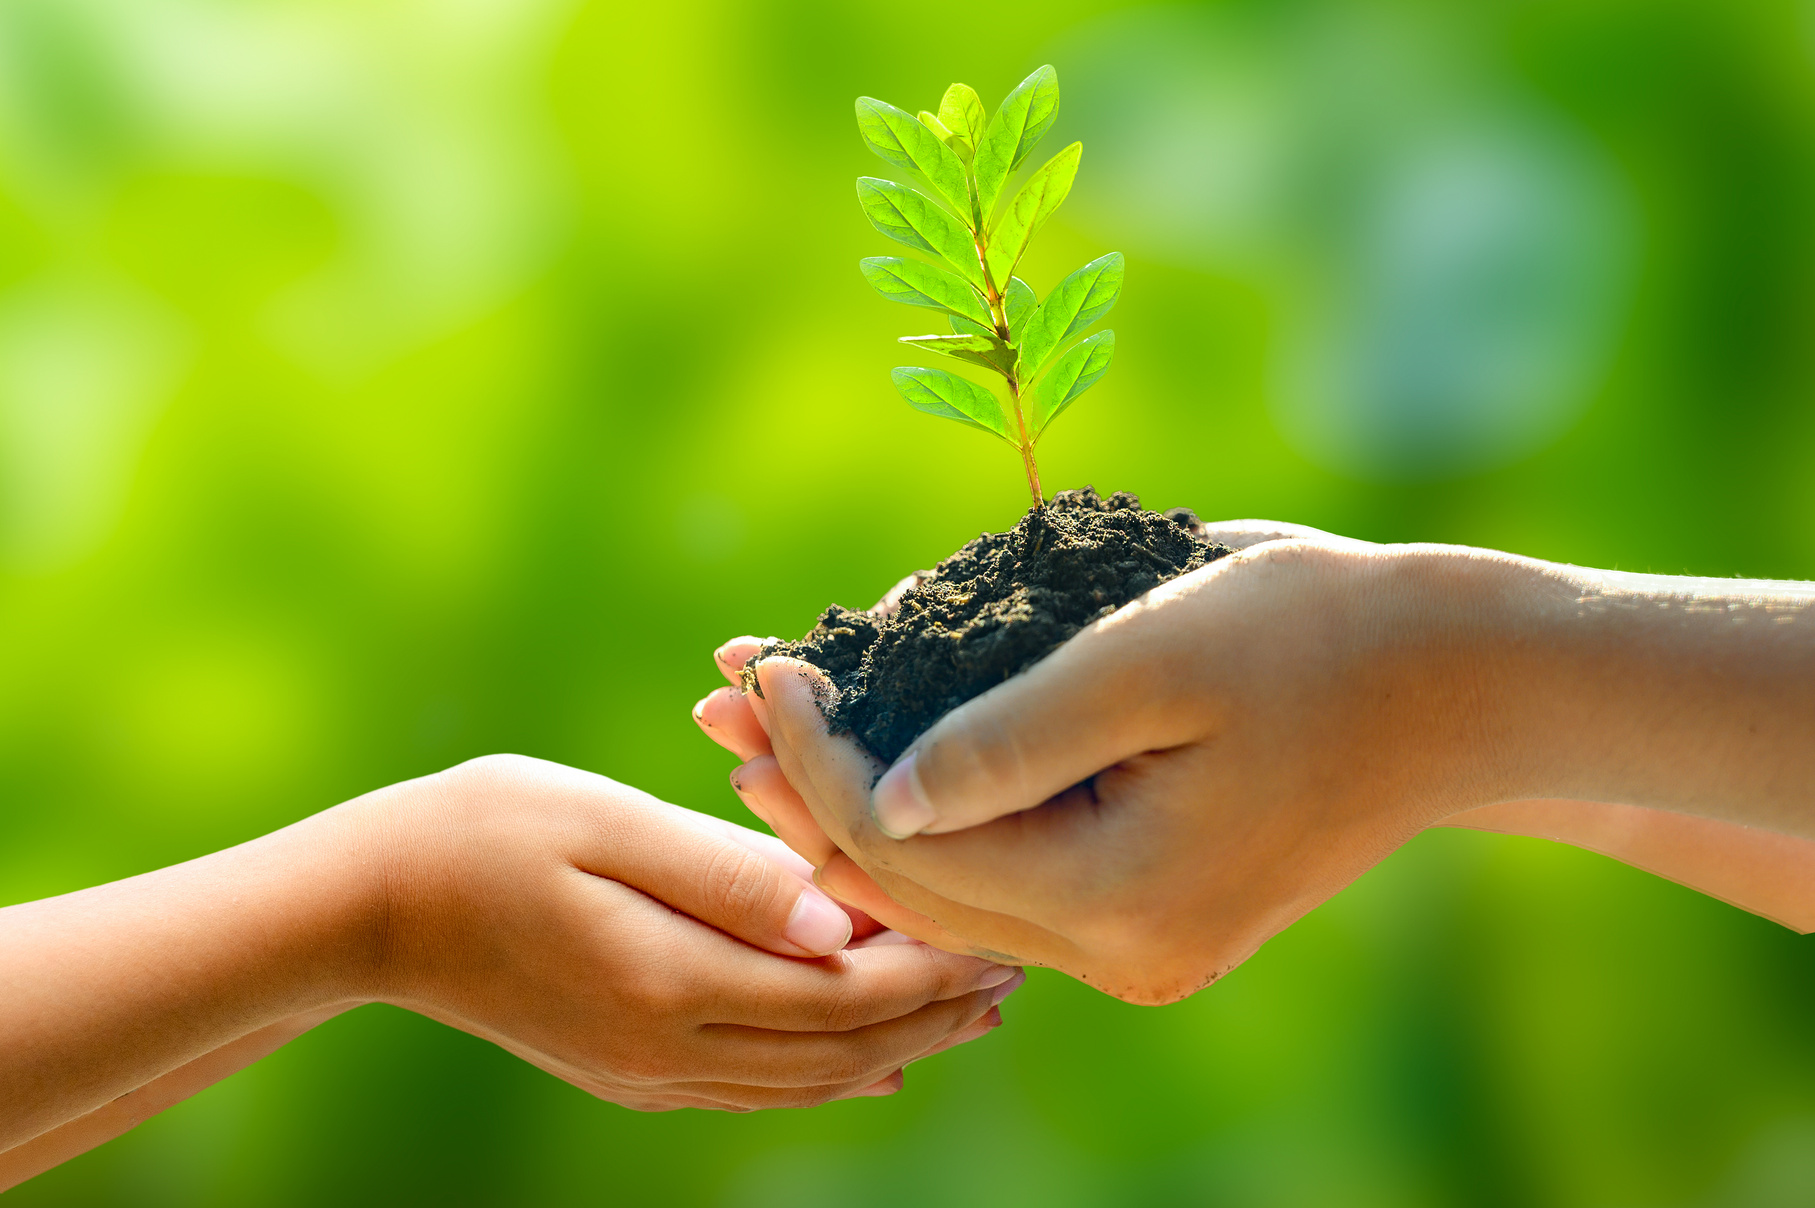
[1761,871]
[107,989]
[132,1109]
[530,904]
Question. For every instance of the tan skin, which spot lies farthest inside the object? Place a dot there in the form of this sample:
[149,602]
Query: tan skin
[1148,805]
[651,956]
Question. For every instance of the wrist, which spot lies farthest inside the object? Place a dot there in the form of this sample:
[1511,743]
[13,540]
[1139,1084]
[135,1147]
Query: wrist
[1460,626]
[340,898]
[403,880]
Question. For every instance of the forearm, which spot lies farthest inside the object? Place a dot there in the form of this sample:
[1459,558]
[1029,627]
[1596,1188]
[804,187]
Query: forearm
[108,989]
[1762,871]
[133,1108]
[1695,696]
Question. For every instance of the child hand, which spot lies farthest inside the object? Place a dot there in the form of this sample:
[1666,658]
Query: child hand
[588,928]
[613,940]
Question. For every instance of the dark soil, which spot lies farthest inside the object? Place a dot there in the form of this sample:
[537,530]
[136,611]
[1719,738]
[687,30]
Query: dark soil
[996,607]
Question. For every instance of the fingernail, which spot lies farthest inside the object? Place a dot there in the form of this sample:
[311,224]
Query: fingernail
[751,801]
[699,709]
[992,1018]
[995,975]
[817,925]
[1008,987]
[898,804]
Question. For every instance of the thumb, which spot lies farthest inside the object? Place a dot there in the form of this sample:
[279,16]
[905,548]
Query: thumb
[1102,697]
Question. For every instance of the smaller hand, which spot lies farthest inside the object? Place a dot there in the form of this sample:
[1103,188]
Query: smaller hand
[618,942]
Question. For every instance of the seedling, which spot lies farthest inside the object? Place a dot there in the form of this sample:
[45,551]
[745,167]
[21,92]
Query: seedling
[997,320]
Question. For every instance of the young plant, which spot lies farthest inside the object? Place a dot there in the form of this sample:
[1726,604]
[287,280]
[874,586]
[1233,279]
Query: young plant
[997,320]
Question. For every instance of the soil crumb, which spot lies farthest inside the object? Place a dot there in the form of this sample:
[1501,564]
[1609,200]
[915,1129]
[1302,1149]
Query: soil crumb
[996,607]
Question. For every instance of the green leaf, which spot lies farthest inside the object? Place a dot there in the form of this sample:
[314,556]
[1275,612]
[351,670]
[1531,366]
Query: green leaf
[1032,206]
[931,122]
[961,111]
[1077,302]
[976,349]
[1018,301]
[899,138]
[911,217]
[957,142]
[938,393]
[966,327]
[1018,126]
[917,283]
[1070,376]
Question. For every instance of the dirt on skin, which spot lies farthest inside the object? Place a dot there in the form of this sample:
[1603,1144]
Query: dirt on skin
[996,607]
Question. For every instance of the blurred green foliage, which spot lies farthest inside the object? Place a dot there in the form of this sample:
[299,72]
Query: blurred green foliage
[383,384]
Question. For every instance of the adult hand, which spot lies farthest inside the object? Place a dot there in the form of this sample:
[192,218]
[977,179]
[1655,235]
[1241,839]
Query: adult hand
[1200,769]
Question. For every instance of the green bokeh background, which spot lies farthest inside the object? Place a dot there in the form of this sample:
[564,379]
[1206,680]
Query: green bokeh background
[388,383]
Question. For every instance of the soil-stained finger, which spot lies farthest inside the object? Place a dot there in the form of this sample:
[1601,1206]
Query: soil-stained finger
[731,657]
[725,716]
[968,881]
[845,880]
[783,809]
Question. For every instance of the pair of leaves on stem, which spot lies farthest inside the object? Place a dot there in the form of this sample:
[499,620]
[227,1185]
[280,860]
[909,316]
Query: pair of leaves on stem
[1036,331]
[965,160]
[997,320]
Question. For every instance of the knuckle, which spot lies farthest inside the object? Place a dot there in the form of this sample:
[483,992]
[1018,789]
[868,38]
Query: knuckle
[642,1067]
[843,1006]
[857,1059]
[739,884]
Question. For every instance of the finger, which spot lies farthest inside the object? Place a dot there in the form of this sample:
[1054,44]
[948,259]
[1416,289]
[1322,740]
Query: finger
[849,990]
[846,881]
[766,791]
[762,1057]
[731,657]
[910,908]
[994,887]
[1240,534]
[878,1089]
[725,716]
[662,852]
[1109,693]
[737,1097]
[863,927]
[991,1020]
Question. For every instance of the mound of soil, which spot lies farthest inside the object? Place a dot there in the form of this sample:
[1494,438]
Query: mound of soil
[1002,603]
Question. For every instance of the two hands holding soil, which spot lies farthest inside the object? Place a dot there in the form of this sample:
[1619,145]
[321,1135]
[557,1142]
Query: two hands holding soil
[1190,773]
[1125,745]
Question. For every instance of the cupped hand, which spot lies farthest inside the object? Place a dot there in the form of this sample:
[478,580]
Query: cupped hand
[619,943]
[1146,806]
[1163,794]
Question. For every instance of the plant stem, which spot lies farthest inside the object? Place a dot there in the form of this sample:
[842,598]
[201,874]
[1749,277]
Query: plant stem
[998,311]
[1026,446]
